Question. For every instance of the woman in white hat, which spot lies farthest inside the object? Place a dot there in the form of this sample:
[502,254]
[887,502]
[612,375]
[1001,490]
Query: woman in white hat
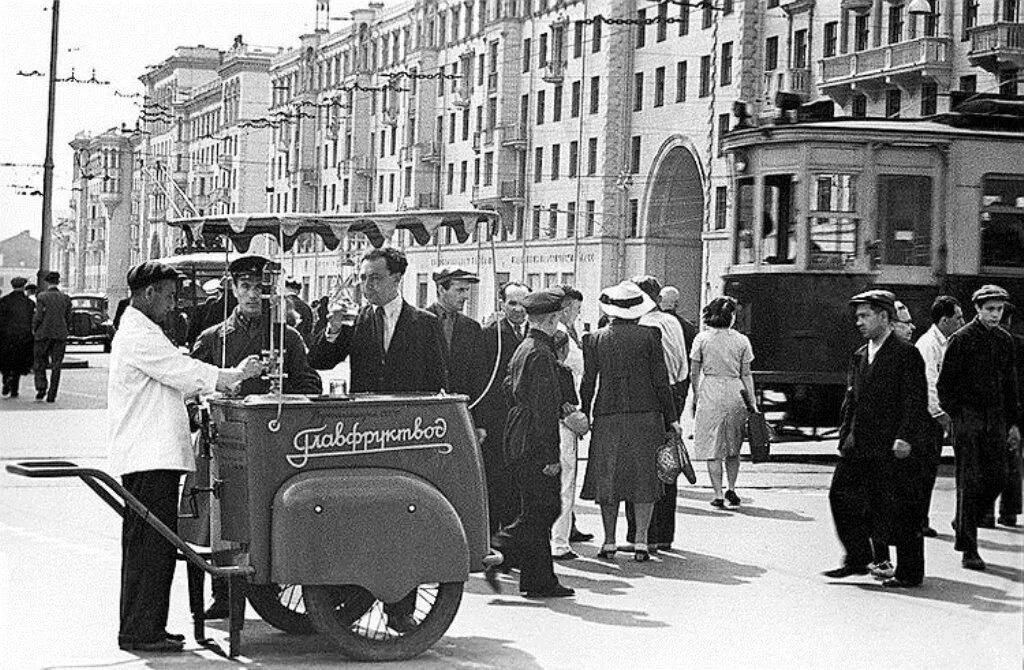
[633,408]
[720,360]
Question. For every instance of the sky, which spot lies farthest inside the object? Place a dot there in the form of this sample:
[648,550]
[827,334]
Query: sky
[117,38]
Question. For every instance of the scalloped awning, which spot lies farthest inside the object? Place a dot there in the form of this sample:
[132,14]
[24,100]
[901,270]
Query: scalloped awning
[332,228]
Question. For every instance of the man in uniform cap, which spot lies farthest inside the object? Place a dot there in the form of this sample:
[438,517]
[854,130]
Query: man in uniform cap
[874,491]
[300,312]
[532,447]
[16,310]
[978,389]
[463,345]
[150,447]
[50,326]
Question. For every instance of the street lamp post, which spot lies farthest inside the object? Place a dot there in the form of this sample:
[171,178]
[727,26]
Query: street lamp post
[46,234]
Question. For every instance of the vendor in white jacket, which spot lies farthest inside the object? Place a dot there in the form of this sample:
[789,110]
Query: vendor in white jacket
[150,447]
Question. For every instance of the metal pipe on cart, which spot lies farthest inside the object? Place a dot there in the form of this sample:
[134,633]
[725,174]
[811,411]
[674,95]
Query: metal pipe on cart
[497,356]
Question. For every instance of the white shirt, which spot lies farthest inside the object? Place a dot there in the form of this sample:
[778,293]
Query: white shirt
[147,425]
[932,346]
[873,348]
[392,311]
[573,357]
[672,342]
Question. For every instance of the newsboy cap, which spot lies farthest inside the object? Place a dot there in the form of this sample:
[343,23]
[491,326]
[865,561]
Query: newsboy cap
[293,283]
[544,301]
[251,266]
[876,297]
[989,292]
[449,272]
[150,272]
[52,277]
[18,282]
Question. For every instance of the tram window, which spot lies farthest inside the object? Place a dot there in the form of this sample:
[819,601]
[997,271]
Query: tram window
[1002,222]
[743,251]
[778,221]
[905,219]
[834,226]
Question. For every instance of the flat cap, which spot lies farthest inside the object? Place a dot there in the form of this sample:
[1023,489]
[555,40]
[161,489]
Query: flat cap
[251,266]
[292,282]
[876,297]
[18,282]
[544,301]
[448,272]
[52,277]
[150,272]
[990,292]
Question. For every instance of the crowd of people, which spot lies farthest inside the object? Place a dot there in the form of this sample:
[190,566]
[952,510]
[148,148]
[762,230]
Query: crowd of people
[34,328]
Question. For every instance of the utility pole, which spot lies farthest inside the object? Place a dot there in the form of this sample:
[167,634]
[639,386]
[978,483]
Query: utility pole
[46,234]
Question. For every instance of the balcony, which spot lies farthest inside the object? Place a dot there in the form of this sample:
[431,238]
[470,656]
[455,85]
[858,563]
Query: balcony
[924,57]
[798,80]
[427,200]
[997,46]
[554,72]
[362,206]
[485,196]
[430,152]
[512,191]
[363,165]
[514,136]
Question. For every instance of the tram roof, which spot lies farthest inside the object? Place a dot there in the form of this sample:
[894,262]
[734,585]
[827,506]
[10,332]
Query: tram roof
[378,227]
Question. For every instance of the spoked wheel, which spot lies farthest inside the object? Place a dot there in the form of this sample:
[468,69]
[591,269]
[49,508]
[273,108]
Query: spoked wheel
[282,606]
[359,623]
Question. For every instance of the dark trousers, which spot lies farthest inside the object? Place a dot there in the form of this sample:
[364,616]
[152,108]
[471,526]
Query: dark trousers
[147,559]
[930,457]
[979,442]
[502,491]
[48,354]
[526,542]
[1010,497]
[12,380]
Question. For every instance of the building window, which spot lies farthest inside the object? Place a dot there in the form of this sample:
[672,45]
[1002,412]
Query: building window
[595,94]
[575,103]
[800,49]
[588,220]
[721,206]
[684,19]
[659,86]
[929,99]
[406,186]
[681,81]
[451,128]
[451,178]
[662,24]
[465,125]
[970,16]
[595,37]
[705,76]
[526,54]
[538,164]
[726,74]
[969,83]
[771,53]
[634,218]
[634,155]
[570,220]
[574,157]
[535,231]
[895,23]
[542,50]
[638,91]
[706,17]
[556,159]
[861,29]
[723,128]
[1002,222]
[463,176]
[552,221]
[592,156]
[540,107]
[577,39]
[831,37]
[641,28]
[893,103]
[859,106]
[556,104]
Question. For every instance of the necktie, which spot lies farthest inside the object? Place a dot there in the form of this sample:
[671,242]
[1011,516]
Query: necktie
[448,326]
[378,325]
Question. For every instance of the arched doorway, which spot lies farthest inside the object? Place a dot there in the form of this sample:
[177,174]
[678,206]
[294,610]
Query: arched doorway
[675,218]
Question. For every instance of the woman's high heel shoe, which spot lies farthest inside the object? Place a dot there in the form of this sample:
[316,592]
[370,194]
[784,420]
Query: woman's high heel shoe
[641,554]
[607,551]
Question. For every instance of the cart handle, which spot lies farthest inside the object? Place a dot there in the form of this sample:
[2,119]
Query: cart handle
[106,487]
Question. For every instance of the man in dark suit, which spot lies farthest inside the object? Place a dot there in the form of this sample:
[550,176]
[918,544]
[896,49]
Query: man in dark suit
[463,344]
[16,310]
[304,323]
[500,341]
[50,326]
[874,493]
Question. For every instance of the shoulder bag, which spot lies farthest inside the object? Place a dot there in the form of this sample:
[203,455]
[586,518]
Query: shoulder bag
[759,433]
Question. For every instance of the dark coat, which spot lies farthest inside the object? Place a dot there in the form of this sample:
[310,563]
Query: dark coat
[16,310]
[52,319]
[414,360]
[306,322]
[464,358]
[885,401]
[630,362]
[492,411]
[978,372]
[531,433]
[247,338]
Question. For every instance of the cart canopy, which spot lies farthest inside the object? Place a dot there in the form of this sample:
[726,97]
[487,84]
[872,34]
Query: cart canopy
[332,228]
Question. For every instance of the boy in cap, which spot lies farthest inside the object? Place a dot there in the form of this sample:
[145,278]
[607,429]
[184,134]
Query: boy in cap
[150,447]
[978,389]
[532,447]
[50,326]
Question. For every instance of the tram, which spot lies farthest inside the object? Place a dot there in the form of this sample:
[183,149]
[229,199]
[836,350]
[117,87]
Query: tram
[824,209]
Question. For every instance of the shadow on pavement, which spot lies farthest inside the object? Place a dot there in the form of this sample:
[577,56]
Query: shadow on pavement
[670,564]
[766,513]
[979,598]
[982,543]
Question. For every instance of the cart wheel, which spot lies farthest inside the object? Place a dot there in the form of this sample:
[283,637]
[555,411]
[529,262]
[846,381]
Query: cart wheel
[356,621]
[281,606]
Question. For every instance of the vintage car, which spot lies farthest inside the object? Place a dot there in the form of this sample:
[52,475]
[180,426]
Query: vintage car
[90,322]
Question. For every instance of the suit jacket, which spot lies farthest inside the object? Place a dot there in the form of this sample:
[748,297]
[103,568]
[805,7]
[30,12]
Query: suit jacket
[16,310]
[414,360]
[465,357]
[630,362]
[492,411]
[885,401]
[52,319]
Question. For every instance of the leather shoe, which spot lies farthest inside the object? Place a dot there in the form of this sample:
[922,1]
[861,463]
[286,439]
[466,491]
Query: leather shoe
[987,522]
[40,395]
[177,637]
[846,571]
[402,623]
[973,562]
[894,583]
[1005,520]
[577,536]
[565,556]
[157,646]
[218,610]
[556,591]
[928,531]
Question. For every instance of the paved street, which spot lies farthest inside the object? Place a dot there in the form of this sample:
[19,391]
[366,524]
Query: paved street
[741,590]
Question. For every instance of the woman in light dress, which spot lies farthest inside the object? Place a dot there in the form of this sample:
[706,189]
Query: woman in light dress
[720,360]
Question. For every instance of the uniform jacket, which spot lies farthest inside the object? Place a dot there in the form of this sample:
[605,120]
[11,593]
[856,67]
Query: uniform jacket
[531,433]
[465,357]
[16,310]
[244,337]
[629,361]
[414,360]
[53,315]
[978,372]
[885,401]
[492,411]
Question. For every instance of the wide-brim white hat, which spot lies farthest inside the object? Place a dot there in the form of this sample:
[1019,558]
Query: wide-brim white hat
[625,300]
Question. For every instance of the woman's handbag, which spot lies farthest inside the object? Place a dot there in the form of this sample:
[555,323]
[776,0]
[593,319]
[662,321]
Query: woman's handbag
[673,459]
[759,433]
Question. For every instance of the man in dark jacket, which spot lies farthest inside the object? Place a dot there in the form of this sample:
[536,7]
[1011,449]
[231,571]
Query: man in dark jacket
[874,492]
[978,390]
[50,326]
[500,340]
[463,338]
[16,310]
[532,448]
[304,312]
